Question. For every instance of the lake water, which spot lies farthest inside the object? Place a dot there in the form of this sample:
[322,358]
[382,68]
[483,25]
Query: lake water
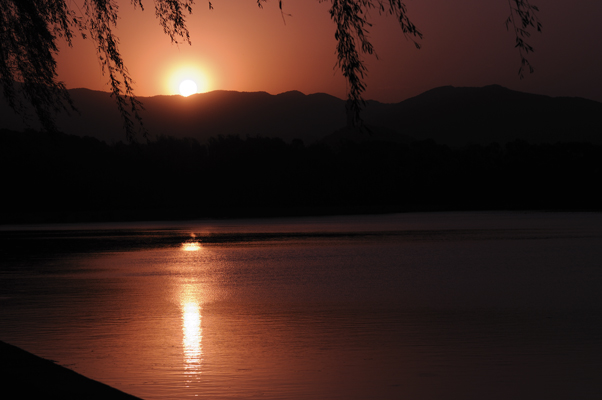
[469,305]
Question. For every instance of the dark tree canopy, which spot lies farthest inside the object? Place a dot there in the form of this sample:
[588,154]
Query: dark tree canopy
[30,31]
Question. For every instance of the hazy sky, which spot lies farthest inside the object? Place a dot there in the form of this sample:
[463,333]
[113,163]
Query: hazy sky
[237,46]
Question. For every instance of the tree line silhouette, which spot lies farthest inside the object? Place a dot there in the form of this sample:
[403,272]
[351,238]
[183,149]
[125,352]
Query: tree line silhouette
[59,177]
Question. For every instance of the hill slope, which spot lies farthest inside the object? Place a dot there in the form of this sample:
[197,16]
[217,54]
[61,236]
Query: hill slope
[464,115]
[449,115]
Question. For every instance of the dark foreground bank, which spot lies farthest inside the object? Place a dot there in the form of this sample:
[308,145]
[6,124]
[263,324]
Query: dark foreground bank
[26,376]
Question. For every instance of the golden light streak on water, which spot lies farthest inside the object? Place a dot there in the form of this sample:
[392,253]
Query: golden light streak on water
[192,333]
[192,337]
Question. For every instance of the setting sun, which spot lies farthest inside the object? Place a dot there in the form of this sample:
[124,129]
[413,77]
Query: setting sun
[188,87]
[186,79]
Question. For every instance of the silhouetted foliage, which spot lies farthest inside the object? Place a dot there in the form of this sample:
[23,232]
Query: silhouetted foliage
[29,34]
[523,18]
[30,30]
[62,177]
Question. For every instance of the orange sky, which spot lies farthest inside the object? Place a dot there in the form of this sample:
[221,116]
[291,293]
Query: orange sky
[237,46]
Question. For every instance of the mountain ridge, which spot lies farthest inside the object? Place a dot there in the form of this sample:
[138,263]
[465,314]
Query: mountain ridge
[455,116]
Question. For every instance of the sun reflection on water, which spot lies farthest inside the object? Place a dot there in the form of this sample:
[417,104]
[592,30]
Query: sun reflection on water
[191,246]
[192,336]
[190,306]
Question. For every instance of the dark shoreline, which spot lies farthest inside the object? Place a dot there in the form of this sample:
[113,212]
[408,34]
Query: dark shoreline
[26,376]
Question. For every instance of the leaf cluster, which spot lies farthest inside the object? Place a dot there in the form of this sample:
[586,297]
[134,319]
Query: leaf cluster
[522,20]
[29,30]
[352,36]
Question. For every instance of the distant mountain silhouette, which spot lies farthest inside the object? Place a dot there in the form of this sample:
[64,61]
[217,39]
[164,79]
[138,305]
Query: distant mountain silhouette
[449,115]
[288,115]
[464,115]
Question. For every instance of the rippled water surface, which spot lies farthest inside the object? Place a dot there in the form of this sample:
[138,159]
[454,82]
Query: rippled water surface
[408,306]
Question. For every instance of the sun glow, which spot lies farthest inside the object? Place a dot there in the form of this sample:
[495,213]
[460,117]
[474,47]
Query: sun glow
[187,80]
